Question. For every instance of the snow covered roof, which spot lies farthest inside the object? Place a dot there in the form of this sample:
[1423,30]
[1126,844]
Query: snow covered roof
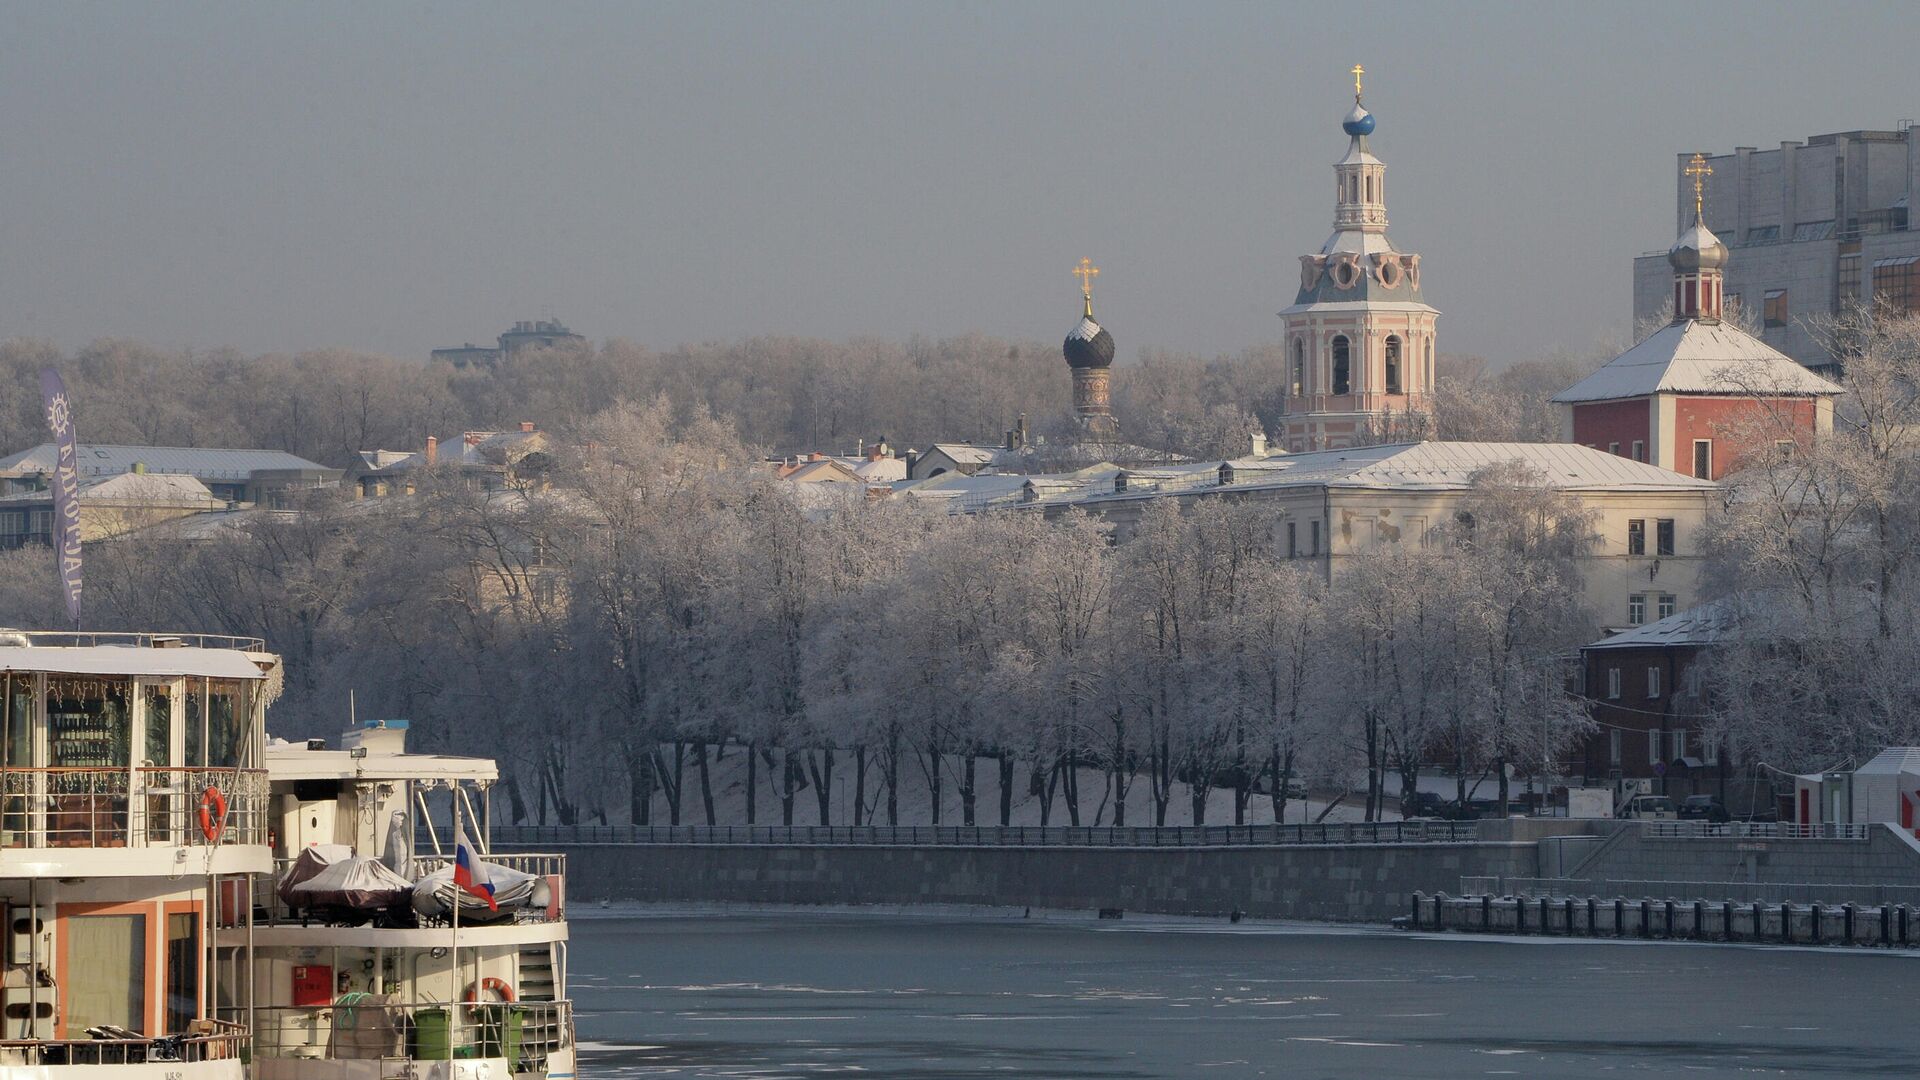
[146,488]
[128,660]
[1358,305]
[1758,615]
[1429,466]
[1087,330]
[1695,357]
[881,470]
[293,761]
[1705,624]
[965,453]
[1892,761]
[1452,465]
[207,463]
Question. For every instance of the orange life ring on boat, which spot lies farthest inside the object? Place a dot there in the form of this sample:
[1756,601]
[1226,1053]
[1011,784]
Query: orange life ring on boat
[498,986]
[213,814]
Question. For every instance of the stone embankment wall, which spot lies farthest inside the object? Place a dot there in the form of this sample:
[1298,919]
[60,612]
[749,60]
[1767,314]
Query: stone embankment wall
[1885,857]
[1342,882]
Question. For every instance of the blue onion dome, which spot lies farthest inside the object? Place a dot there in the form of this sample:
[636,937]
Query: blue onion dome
[1088,345]
[1697,249]
[1358,122]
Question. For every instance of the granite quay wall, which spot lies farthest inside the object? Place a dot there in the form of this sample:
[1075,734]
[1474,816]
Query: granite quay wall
[1877,864]
[1335,881]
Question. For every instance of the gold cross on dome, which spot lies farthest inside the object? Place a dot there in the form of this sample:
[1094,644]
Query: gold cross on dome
[1699,170]
[1357,72]
[1086,272]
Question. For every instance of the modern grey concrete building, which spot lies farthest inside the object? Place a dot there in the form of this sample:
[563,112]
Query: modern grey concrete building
[1813,226]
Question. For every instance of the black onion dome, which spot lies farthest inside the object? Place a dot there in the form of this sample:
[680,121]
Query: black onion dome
[1088,346]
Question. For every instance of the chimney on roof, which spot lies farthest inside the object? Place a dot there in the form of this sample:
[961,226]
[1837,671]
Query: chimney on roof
[526,425]
[433,449]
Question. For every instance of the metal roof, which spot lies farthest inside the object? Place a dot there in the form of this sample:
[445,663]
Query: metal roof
[124,660]
[1701,358]
[205,463]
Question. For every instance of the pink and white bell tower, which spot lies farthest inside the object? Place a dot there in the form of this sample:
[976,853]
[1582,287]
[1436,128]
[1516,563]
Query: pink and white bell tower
[1359,337]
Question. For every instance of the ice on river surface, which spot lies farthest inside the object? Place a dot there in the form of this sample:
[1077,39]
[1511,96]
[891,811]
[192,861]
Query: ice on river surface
[945,996]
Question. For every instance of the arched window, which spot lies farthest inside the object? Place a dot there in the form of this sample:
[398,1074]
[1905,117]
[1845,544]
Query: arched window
[1299,368]
[1341,385]
[1393,364]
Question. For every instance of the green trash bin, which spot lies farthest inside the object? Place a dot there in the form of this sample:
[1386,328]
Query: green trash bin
[432,1034]
[501,1028]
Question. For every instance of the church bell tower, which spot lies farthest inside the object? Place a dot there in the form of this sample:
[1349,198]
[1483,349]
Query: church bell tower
[1359,336]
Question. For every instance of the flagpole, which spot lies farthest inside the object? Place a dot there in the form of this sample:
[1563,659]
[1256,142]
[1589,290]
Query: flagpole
[453,880]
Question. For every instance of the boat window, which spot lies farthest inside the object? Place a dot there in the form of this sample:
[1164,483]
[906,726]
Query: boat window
[195,718]
[89,725]
[18,747]
[226,723]
[159,710]
[183,970]
[106,969]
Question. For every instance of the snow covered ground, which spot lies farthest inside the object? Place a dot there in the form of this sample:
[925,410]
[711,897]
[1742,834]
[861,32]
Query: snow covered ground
[916,804]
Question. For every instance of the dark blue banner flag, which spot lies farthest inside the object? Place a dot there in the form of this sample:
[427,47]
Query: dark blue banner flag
[66,488]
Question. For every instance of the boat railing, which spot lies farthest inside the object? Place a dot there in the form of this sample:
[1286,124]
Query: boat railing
[358,1028]
[205,1040]
[67,639]
[539,864]
[131,807]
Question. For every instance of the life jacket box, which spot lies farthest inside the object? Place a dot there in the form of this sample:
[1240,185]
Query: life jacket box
[22,924]
[312,985]
[21,1016]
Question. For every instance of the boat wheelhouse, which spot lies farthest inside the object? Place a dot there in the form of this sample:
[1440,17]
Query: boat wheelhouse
[371,962]
[133,801]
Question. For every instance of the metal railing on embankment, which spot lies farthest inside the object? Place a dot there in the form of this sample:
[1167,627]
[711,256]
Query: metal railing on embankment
[1754,830]
[1054,836]
[1744,892]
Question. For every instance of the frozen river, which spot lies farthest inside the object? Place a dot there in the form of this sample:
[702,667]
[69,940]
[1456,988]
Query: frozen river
[934,997]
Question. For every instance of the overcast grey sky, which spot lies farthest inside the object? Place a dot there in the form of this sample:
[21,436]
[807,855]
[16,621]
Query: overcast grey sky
[392,177]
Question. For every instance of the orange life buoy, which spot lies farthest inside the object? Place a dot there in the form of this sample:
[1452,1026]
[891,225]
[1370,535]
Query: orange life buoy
[498,986]
[213,814]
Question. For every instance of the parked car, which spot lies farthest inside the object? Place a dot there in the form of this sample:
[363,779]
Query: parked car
[1703,808]
[1648,808]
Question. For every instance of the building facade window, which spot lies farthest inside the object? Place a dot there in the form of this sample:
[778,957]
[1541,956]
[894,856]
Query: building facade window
[1613,448]
[1299,367]
[1847,275]
[1653,746]
[1710,753]
[1636,609]
[1653,682]
[1703,459]
[1613,684]
[1637,536]
[1774,314]
[1666,606]
[1314,536]
[1293,540]
[1342,365]
[1639,450]
[1677,743]
[1393,364]
[1896,283]
[1663,536]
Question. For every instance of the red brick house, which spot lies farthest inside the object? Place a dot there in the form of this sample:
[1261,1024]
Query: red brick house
[1698,394]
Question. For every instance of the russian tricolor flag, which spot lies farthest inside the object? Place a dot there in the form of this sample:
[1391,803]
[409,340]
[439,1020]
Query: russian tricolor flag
[469,873]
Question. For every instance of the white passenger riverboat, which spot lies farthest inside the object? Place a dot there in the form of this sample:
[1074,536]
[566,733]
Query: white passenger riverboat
[133,799]
[365,971]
